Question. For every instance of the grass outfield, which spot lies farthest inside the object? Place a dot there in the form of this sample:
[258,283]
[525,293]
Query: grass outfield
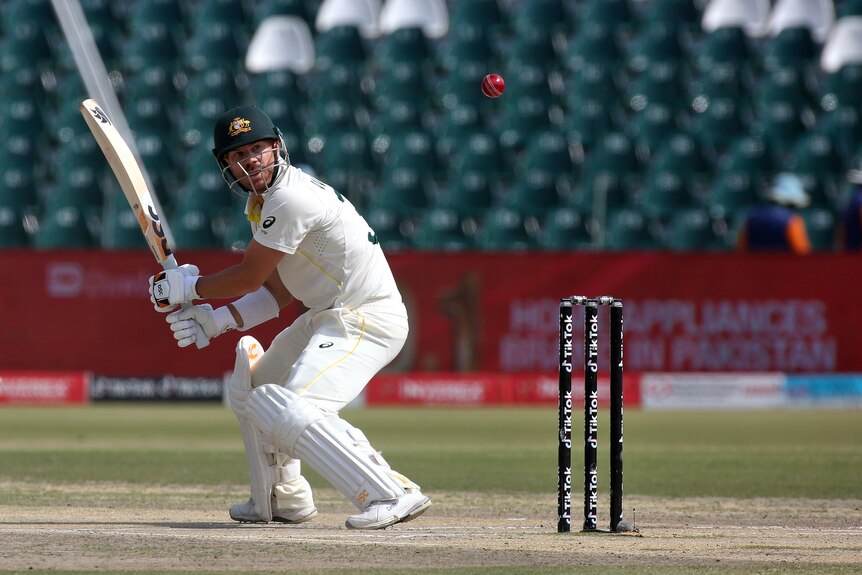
[143,488]
[808,454]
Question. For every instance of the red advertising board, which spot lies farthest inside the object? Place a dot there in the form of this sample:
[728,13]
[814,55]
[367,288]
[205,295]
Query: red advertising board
[470,312]
[43,387]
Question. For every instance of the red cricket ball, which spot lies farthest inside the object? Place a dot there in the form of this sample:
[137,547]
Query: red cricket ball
[493,85]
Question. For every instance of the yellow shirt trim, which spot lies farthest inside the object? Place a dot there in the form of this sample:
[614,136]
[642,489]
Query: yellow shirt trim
[333,364]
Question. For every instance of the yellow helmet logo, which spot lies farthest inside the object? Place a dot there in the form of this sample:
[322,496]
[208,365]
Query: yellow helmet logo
[238,126]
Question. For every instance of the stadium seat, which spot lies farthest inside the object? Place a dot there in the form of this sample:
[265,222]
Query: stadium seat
[77,187]
[361,14]
[468,193]
[842,46]
[682,14]
[534,193]
[522,119]
[213,47]
[394,122]
[752,16]
[347,165]
[266,8]
[791,47]
[442,229]
[611,174]
[399,83]
[593,45]
[628,229]
[691,230]
[821,227]
[545,15]
[564,228]
[466,43]
[431,16]
[843,127]
[467,13]
[676,177]
[12,232]
[817,16]
[197,124]
[549,150]
[387,228]
[25,46]
[404,46]
[741,178]
[215,14]
[413,150]
[841,88]
[656,44]
[460,87]
[817,163]
[166,14]
[651,127]
[193,230]
[504,229]
[481,152]
[65,228]
[532,48]
[729,46]
[120,229]
[339,46]
[719,124]
[661,84]
[618,16]
[280,43]
[405,192]
[17,187]
[284,84]
[151,47]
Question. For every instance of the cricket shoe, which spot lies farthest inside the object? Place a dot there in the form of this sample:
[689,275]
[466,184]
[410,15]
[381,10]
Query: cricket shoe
[245,513]
[382,514]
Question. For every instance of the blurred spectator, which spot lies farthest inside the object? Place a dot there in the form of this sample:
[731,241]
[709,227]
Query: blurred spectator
[777,225]
[852,226]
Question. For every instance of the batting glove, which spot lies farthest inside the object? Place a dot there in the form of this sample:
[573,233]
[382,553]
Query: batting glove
[172,287]
[184,323]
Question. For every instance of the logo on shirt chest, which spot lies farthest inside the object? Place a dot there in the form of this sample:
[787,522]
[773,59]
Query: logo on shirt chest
[267,223]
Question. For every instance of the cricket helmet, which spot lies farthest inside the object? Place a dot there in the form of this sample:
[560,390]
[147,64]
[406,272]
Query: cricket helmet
[238,127]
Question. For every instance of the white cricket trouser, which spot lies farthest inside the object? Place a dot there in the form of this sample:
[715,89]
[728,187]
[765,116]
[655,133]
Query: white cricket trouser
[328,357]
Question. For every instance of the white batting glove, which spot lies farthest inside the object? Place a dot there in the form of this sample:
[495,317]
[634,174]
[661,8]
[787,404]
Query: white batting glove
[213,323]
[172,287]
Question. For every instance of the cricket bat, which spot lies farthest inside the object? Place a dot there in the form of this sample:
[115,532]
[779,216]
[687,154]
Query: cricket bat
[128,174]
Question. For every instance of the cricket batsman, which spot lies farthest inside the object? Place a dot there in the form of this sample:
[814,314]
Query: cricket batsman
[308,243]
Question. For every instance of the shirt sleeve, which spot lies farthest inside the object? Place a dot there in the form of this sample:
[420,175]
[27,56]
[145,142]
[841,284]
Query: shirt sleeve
[285,221]
[797,235]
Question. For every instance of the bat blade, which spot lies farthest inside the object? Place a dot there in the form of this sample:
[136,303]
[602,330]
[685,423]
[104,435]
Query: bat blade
[128,173]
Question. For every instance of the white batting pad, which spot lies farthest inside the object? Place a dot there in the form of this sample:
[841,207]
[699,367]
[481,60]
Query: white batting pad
[261,468]
[301,430]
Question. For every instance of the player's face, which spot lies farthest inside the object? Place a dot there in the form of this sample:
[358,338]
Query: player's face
[252,164]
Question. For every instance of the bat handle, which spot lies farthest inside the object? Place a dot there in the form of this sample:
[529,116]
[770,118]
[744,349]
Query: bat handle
[201,339]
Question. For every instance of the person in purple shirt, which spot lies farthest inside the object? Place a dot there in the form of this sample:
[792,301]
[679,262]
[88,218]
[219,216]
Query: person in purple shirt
[777,226]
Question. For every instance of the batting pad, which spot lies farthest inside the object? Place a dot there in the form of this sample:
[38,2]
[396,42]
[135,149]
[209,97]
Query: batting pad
[324,442]
[261,468]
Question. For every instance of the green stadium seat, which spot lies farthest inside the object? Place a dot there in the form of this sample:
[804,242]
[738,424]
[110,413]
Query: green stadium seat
[692,230]
[533,193]
[156,81]
[167,14]
[849,8]
[817,163]
[78,187]
[206,192]
[628,229]
[151,47]
[213,14]
[414,150]
[298,8]
[405,192]
[616,15]
[215,82]
[683,14]
[236,233]
[791,47]
[387,226]
[65,228]
[532,48]
[120,229]
[466,43]
[213,47]
[403,46]
[17,187]
[338,83]
[822,228]
[841,88]
[197,123]
[656,44]
[480,152]
[593,45]
[340,46]
[661,84]
[394,123]
[399,83]
[460,87]
[651,127]
[780,126]
[347,164]
[521,120]
[843,127]
[442,229]
[610,175]
[676,177]
[193,230]
[25,46]
[504,229]
[37,13]
[151,115]
[544,15]
[719,124]
[564,228]
[728,45]
[741,176]
[549,150]
[12,232]
[469,193]
[589,121]
[456,127]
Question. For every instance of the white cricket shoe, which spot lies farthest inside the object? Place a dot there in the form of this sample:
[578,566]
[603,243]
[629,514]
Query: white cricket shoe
[382,514]
[245,513]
